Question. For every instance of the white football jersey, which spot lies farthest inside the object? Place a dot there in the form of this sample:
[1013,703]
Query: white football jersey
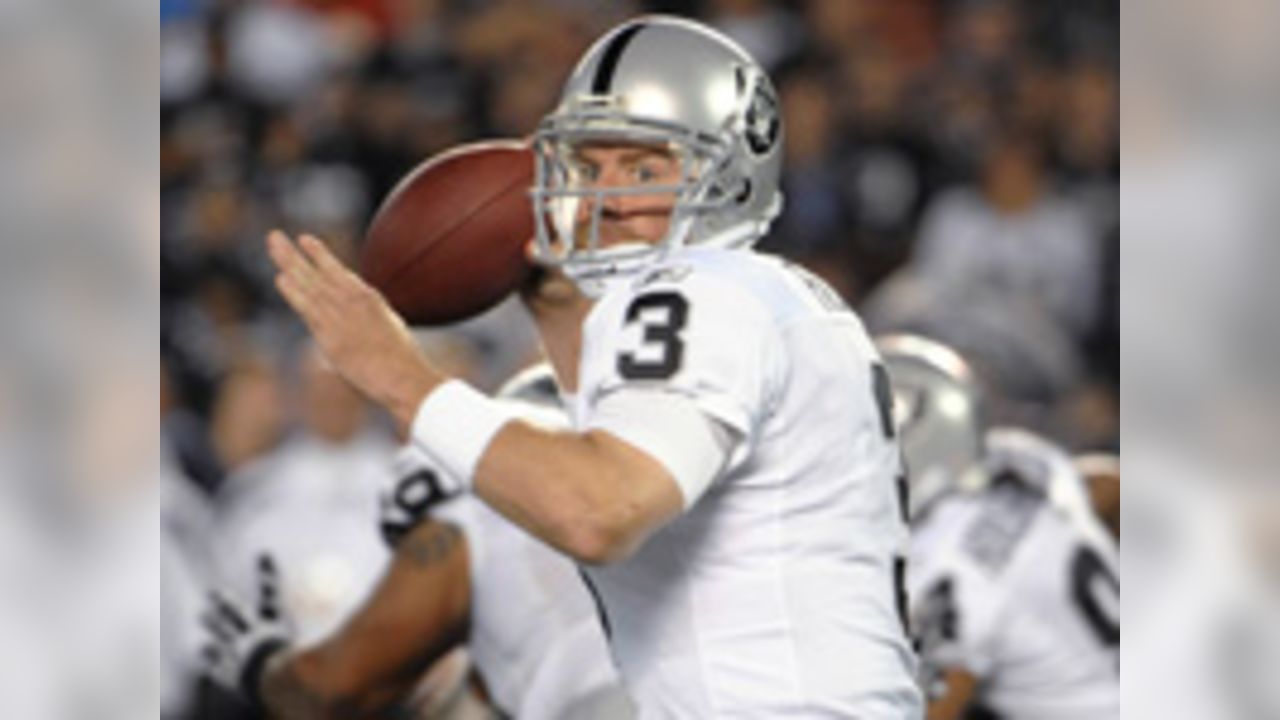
[776,593]
[535,636]
[308,508]
[1017,587]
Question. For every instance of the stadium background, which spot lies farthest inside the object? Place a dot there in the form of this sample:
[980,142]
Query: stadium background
[952,167]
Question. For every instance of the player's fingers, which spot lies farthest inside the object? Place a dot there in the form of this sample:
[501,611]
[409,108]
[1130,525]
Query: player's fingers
[230,614]
[294,294]
[340,284]
[290,260]
[213,624]
[322,257]
[317,312]
[268,587]
[282,251]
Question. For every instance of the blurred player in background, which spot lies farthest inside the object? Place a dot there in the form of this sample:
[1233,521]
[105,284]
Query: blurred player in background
[1014,584]
[297,520]
[306,505]
[461,574]
[711,481]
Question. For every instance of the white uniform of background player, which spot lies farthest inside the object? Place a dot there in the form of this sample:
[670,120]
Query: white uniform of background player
[535,637]
[1012,578]
[307,507]
[299,523]
[529,622]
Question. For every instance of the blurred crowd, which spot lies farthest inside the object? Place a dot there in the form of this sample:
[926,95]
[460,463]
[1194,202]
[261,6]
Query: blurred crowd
[952,168]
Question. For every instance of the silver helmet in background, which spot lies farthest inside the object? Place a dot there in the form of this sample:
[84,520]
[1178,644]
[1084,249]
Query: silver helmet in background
[938,408]
[677,84]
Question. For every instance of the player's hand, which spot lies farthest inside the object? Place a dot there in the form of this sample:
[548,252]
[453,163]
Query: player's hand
[240,640]
[355,328]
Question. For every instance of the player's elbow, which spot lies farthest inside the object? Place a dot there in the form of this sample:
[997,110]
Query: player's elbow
[598,541]
[621,497]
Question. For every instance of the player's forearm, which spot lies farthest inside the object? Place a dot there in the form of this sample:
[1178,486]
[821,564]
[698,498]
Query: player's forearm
[415,615]
[579,492]
[317,684]
[298,685]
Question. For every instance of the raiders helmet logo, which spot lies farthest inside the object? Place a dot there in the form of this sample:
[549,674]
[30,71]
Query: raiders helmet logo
[762,121]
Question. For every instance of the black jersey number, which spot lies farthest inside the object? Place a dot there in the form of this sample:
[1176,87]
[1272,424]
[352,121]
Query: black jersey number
[407,505]
[663,334]
[1096,592]
[884,399]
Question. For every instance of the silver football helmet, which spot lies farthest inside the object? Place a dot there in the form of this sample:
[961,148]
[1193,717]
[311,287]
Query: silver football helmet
[938,409]
[674,83]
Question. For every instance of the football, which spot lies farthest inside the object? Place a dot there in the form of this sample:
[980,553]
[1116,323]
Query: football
[449,241]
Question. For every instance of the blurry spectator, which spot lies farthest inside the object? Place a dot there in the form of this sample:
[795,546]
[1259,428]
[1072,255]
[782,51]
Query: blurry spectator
[277,52]
[814,220]
[247,413]
[837,24]
[307,515]
[887,168]
[1013,236]
[960,119]
[985,36]
[1088,140]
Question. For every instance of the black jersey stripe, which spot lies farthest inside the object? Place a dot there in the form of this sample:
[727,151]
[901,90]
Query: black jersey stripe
[609,61]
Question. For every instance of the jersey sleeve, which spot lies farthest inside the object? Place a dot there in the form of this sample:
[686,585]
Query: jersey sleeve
[412,493]
[692,335]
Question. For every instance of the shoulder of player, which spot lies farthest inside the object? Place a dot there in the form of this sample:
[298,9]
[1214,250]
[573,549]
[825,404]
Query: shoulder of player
[1008,443]
[971,537]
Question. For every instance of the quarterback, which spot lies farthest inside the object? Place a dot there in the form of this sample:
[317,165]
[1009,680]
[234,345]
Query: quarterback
[731,480]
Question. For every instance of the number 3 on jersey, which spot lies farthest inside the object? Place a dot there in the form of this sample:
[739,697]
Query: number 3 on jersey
[661,349]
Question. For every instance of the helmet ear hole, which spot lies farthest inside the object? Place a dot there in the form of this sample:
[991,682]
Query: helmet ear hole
[744,192]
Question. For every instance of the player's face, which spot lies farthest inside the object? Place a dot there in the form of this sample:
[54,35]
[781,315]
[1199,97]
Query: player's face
[628,218]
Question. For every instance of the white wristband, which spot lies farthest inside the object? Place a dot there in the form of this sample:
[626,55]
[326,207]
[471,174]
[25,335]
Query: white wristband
[454,425]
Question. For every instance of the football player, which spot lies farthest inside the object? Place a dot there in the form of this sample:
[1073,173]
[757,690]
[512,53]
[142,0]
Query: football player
[1014,585]
[461,574]
[731,480]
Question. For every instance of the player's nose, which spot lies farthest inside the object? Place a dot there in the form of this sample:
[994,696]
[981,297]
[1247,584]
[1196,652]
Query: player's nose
[611,204]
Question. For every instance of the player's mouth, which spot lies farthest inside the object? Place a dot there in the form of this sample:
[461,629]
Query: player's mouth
[615,228]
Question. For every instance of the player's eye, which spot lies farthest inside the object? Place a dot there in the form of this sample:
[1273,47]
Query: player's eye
[645,173]
[586,171]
